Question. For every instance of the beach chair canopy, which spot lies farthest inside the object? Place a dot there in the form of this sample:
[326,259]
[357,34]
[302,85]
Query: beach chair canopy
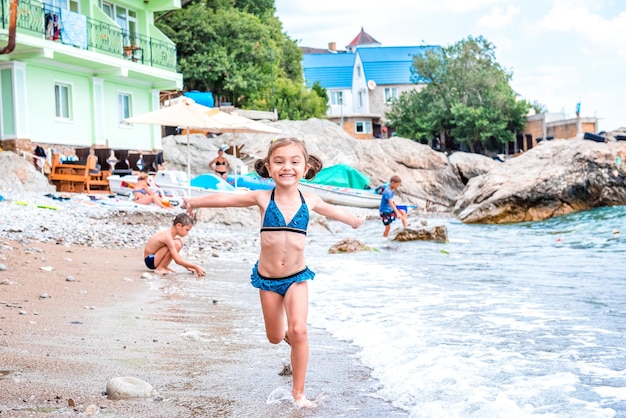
[342,175]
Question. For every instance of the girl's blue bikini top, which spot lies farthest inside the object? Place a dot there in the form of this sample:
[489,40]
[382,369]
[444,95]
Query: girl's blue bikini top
[275,221]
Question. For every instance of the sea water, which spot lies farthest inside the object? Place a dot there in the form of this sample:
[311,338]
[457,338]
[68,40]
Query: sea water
[517,320]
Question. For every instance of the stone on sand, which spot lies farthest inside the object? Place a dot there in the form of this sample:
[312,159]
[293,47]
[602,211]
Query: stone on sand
[128,387]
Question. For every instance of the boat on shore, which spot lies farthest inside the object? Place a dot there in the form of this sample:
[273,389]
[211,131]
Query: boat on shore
[346,196]
[342,185]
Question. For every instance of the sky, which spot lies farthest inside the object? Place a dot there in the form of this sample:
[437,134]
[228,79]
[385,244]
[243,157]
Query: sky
[559,52]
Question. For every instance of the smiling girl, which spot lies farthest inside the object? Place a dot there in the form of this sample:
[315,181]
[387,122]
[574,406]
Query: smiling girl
[281,273]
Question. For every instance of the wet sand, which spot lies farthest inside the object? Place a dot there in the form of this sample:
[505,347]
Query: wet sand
[199,342]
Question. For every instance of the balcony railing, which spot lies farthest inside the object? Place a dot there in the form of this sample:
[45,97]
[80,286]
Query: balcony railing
[44,20]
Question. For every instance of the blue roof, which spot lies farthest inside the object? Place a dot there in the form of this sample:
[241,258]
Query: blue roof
[331,70]
[385,65]
[390,65]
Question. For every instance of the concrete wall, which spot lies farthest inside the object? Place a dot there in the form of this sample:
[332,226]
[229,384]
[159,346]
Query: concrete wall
[83,128]
[43,124]
[349,126]
[122,136]
[561,129]
[378,106]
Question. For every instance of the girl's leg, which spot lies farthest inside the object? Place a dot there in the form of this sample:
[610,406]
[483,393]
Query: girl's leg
[273,315]
[297,308]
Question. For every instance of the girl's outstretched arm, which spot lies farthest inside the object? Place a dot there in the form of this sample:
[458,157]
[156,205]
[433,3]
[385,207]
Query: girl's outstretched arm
[337,213]
[223,200]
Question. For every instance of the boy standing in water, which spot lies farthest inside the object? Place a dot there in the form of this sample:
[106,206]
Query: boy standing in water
[164,246]
[388,210]
[281,273]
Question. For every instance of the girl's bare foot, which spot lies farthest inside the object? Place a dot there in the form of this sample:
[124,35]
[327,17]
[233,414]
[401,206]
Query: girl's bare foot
[303,402]
[164,272]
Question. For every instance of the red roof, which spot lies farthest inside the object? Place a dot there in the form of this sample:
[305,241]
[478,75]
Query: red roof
[363,38]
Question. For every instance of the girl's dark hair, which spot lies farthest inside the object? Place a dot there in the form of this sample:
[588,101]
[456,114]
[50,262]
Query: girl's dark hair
[313,161]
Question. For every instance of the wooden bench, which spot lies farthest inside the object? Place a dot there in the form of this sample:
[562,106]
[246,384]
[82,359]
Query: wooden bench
[98,183]
[78,178]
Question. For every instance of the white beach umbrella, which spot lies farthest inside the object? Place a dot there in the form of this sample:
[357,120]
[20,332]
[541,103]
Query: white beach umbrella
[185,113]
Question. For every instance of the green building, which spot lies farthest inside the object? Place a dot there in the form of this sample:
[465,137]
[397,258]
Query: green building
[79,67]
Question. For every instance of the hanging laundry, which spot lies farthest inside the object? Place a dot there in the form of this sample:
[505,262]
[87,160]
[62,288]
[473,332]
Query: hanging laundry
[73,29]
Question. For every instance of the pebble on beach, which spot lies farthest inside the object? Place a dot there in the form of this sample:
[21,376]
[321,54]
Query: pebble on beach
[128,387]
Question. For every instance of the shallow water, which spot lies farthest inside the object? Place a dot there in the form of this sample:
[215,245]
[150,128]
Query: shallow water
[222,365]
[517,320]
[520,320]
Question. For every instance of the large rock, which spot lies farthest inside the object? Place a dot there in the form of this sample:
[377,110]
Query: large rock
[468,165]
[555,178]
[348,245]
[437,233]
[427,176]
[20,175]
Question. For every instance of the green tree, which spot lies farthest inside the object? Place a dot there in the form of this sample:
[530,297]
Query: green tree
[467,96]
[215,4]
[539,108]
[237,50]
[320,91]
[256,7]
[218,50]
[293,101]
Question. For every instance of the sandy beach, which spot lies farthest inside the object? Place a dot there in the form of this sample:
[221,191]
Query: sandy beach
[73,316]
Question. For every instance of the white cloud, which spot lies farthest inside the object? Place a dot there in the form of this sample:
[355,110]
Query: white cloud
[499,18]
[466,6]
[607,34]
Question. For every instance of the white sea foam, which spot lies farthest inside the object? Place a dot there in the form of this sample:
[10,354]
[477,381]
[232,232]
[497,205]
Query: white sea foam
[611,392]
[494,332]
[280,394]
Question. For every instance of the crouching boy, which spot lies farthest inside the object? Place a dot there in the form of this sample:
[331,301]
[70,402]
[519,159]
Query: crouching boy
[165,245]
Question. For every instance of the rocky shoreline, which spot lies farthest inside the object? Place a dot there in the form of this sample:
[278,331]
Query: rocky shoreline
[554,178]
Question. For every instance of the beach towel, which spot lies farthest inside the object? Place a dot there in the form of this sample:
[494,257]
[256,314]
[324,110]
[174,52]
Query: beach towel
[73,29]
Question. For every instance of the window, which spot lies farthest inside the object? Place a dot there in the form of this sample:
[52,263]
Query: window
[336,98]
[361,95]
[363,127]
[127,19]
[391,94]
[63,101]
[63,4]
[107,8]
[124,107]
[358,71]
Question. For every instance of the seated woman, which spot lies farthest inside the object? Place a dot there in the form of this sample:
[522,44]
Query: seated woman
[142,193]
[220,164]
